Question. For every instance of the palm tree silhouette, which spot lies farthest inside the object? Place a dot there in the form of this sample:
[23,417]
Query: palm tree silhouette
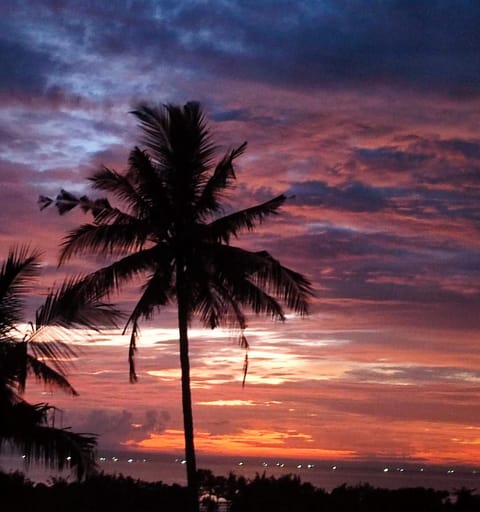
[40,352]
[175,234]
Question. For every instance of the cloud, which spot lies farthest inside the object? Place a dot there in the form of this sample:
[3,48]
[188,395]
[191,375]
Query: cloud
[414,374]
[114,428]
[239,114]
[368,116]
[330,44]
[390,158]
[355,197]
[23,68]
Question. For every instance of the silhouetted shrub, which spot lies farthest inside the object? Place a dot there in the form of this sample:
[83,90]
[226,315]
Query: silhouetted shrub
[118,493]
[284,494]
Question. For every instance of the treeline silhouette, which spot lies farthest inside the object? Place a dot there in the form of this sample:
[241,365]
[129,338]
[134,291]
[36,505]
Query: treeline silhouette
[119,493]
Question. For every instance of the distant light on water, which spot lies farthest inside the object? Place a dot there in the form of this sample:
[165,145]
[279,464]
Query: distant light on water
[324,474]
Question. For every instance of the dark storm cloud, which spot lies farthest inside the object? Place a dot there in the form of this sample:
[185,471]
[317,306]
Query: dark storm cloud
[336,43]
[330,242]
[429,177]
[355,197]
[428,203]
[466,148]
[238,114]
[387,267]
[390,158]
[358,284]
[22,68]
[425,44]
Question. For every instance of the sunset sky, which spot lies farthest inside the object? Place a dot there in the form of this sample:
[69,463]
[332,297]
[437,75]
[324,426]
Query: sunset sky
[367,115]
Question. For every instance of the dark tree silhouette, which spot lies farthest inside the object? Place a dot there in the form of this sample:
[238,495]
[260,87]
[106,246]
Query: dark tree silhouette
[261,494]
[23,425]
[174,233]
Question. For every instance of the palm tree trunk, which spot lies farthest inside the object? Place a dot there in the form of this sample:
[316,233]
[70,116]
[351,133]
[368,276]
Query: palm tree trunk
[190,458]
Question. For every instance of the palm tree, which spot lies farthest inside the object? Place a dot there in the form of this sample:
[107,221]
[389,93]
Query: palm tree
[23,425]
[174,233]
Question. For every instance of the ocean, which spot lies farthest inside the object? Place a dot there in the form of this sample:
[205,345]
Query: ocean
[322,474]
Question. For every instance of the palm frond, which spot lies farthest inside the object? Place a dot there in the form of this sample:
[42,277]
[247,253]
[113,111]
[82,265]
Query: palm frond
[224,228]
[244,344]
[56,351]
[16,273]
[156,293]
[70,306]
[132,349]
[210,299]
[110,279]
[13,364]
[259,280]
[44,202]
[154,122]
[292,287]
[109,239]
[190,138]
[221,178]
[112,216]
[61,449]
[25,426]
[48,375]
[150,185]
[66,307]
[124,186]
[66,201]
[178,140]
[257,299]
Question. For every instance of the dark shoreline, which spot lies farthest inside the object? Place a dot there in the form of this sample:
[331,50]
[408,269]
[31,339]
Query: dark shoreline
[262,493]
[325,474]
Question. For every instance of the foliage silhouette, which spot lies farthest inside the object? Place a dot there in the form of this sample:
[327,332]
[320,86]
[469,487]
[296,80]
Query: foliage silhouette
[173,232]
[40,352]
[266,494]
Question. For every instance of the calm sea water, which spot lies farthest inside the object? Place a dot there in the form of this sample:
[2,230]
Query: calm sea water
[323,474]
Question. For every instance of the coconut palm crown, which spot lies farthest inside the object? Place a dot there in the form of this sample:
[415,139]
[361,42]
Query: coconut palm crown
[39,351]
[173,232]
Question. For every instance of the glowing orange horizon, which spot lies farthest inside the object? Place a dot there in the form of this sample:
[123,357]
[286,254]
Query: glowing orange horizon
[237,445]
[269,444]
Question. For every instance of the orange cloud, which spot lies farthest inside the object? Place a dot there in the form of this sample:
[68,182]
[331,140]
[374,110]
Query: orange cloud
[249,442]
